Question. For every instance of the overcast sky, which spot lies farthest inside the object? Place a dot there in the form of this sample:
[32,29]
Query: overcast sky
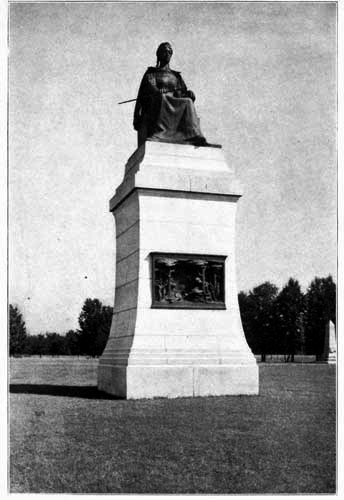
[264,75]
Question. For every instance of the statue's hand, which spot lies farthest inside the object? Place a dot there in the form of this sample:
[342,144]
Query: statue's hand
[191,95]
[178,93]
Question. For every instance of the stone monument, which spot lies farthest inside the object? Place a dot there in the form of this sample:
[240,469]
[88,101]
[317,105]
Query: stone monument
[176,328]
[329,355]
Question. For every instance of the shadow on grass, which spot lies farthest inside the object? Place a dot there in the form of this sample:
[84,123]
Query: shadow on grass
[69,391]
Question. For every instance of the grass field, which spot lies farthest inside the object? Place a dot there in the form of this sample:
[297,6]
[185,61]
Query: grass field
[65,437]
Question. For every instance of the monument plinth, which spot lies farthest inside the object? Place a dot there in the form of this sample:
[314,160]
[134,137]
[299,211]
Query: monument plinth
[329,354]
[176,329]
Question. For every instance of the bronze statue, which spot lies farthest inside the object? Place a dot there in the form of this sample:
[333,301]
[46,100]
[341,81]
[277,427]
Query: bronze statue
[165,110]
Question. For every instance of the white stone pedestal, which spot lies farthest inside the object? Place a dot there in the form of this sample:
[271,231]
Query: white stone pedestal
[329,355]
[177,199]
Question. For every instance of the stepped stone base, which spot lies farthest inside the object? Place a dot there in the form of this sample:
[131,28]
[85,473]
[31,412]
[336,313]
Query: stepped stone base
[329,359]
[135,382]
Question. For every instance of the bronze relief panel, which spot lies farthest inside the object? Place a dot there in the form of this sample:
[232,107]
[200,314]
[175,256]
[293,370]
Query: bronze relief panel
[188,281]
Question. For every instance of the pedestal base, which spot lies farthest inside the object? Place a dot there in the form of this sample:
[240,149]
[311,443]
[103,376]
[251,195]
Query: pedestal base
[329,355]
[181,201]
[330,359]
[136,382]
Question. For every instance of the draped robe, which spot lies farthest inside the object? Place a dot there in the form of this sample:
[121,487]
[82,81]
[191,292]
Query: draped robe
[169,116]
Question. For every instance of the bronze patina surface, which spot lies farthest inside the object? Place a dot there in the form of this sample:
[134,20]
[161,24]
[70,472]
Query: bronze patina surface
[165,109]
[188,281]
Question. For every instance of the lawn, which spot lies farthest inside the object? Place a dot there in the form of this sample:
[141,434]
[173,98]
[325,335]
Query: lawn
[65,437]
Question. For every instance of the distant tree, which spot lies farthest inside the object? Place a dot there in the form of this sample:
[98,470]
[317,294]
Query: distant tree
[320,308]
[36,345]
[18,334]
[247,311]
[95,323]
[72,342]
[55,344]
[289,306]
[257,311]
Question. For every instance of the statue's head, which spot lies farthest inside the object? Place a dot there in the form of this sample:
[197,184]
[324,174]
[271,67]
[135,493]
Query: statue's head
[164,52]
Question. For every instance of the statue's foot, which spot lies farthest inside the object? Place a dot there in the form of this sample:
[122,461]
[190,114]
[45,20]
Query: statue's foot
[201,141]
[197,141]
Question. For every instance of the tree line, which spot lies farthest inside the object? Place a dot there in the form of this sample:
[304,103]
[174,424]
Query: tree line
[89,339]
[285,321]
[288,321]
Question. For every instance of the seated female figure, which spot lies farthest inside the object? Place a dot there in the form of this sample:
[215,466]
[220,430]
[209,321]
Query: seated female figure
[165,108]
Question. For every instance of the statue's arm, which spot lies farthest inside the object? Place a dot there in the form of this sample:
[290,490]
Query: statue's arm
[184,92]
[147,88]
[137,115]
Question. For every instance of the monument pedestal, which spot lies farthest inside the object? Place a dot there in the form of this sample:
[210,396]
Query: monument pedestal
[329,354]
[169,337]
